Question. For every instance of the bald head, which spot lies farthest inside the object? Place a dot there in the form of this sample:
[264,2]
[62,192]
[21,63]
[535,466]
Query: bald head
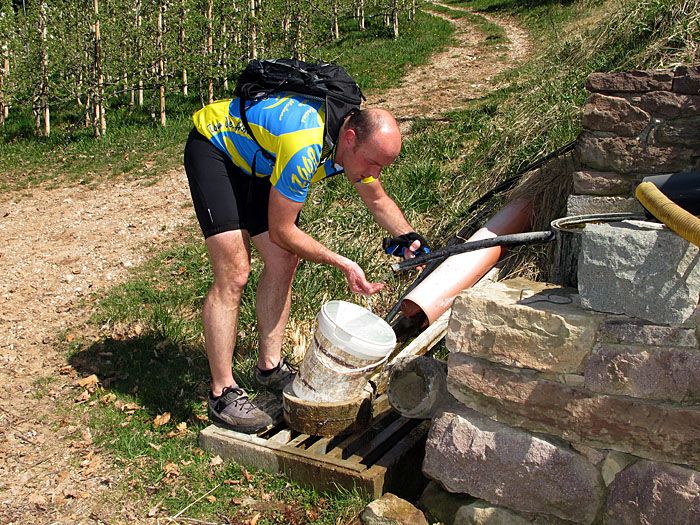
[376,125]
[369,141]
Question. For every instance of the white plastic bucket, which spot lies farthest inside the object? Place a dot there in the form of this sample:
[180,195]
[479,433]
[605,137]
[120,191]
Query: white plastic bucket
[349,343]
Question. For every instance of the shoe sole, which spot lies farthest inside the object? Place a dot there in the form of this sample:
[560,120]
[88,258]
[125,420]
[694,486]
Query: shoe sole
[245,429]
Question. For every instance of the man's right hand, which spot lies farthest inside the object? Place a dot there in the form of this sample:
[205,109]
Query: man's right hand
[357,280]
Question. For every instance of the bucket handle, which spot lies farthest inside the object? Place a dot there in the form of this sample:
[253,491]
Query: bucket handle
[364,368]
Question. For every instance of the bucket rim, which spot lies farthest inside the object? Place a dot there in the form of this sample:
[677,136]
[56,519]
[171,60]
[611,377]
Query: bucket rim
[371,349]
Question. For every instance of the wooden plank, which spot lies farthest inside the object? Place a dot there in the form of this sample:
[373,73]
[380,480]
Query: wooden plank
[399,468]
[352,443]
[320,446]
[283,436]
[379,439]
[229,442]
[298,465]
[298,440]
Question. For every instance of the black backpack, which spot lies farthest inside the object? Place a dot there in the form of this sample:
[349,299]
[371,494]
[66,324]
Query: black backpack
[321,81]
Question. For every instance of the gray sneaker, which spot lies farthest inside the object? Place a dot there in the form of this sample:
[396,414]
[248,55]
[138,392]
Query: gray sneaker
[234,410]
[277,380]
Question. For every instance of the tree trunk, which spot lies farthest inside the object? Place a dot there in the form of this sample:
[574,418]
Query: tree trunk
[361,14]
[100,122]
[253,32]
[210,50]
[139,52]
[395,17]
[3,103]
[335,32]
[41,103]
[183,46]
[298,45]
[224,55]
[161,66]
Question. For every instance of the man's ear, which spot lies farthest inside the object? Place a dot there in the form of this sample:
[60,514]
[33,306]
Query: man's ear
[350,138]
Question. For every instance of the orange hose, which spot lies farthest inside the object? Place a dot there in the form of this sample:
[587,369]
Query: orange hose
[679,220]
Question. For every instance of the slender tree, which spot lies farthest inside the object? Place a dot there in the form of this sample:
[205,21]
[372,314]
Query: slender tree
[7,34]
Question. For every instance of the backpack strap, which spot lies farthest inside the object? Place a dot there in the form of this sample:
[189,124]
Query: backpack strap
[269,156]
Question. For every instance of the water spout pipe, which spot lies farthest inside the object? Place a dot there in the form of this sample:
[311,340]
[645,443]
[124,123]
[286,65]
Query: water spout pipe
[437,292]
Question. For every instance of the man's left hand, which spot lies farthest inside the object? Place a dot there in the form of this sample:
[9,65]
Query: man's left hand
[408,245]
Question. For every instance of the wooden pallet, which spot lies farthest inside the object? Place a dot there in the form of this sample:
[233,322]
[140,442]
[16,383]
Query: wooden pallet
[385,457]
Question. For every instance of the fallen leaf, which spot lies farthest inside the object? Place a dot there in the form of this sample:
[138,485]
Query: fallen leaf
[182,426]
[131,406]
[154,446]
[88,381]
[161,420]
[108,398]
[216,461]
[236,501]
[248,476]
[83,397]
[232,482]
[171,470]
[255,519]
[211,499]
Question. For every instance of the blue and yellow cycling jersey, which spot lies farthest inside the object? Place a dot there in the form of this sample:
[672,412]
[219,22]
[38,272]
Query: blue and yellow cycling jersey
[289,126]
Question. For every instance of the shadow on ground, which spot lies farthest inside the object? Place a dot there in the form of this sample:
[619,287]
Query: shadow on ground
[159,375]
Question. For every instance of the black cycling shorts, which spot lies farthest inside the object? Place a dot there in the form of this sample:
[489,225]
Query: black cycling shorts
[225,197]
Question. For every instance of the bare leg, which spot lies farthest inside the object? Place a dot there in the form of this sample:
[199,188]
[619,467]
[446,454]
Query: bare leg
[230,258]
[273,298]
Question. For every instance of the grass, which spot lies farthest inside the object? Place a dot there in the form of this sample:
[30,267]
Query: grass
[148,354]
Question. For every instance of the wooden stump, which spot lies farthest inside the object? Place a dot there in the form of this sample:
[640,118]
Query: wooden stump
[328,419]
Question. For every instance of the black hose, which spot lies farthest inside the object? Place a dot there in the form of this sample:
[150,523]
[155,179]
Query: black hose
[502,240]
[472,224]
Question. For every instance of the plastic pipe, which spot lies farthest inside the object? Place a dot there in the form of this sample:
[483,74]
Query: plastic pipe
[437,292]
[668,212]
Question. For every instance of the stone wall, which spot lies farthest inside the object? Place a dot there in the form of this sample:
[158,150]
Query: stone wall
[635,124]
[561,413]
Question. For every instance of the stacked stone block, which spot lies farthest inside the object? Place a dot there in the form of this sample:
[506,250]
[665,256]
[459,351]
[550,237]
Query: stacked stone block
[583,405]
[635,124]
[562,414]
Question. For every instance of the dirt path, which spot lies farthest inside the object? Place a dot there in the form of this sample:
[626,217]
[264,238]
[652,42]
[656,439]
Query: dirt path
[61,245]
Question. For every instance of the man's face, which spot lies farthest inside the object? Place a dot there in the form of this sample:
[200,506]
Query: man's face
[368,158]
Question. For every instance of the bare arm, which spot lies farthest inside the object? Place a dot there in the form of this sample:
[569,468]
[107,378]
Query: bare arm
[386,212]
[383,208]
[282,213]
